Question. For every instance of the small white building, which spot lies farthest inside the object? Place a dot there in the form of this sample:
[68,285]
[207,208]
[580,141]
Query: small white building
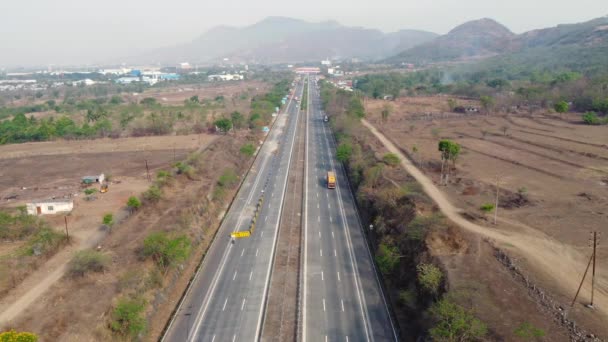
[49,207]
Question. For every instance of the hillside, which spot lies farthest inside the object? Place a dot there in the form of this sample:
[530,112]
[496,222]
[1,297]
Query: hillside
[279,39]
[486,38]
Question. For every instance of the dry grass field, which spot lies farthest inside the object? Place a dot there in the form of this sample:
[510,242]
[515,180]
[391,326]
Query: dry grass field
[552,174]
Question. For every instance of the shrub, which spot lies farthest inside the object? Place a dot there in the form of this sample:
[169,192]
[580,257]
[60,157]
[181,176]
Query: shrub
[248,150]
[108,220]
[455,323]
[166,251]
[527,331]
[429,277]
[45,241]
[407,298]
[223,125]
[90,191]
[128,318]
[87,261]
[133,203]
[185,169]
[228,179]
[14,336]
[344,151]
[153,194]
[561,107]
[488,207]
[387,258]
[591,118]
[391,159]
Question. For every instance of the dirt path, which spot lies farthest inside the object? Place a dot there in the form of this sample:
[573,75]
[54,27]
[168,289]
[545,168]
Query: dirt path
[552,260]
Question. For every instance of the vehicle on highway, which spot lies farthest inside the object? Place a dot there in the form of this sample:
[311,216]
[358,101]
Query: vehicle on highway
[331,180]
[325,119]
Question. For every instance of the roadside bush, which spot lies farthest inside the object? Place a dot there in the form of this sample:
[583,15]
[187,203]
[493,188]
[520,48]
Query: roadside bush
[488,207]
[45,241]
[153,194]
[133,203]
[166,251]
[185,169]
[408,298]
[162,177]
[89,191]
[87,261]
[14,336]
[387,258]
[128,317]
[108,220]
[591,118]
[455,323]
[228,179]
[429,278]
[527,332]
[391,159]
[344,151]
[561,107]
[248,150]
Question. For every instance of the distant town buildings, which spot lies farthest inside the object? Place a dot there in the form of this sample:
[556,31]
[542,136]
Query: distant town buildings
[308,70]
[226,77]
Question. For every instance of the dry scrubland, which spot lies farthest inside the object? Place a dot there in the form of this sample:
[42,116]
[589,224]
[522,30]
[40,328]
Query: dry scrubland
[553,180]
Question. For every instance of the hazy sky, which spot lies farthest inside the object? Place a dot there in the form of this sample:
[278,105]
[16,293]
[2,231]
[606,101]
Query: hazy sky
[86,31]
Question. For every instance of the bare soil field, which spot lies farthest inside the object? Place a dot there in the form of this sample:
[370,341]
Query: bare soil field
[177,95]
[553,179]
[38,171]
[53,169]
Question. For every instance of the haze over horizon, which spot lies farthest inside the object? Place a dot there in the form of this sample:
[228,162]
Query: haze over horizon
[37,32]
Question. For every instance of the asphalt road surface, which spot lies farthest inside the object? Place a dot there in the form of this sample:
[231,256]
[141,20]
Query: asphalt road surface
[227,298]
[342,298]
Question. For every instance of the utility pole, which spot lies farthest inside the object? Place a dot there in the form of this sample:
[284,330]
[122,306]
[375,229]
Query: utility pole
[496,206]
[67,234]
[591,259]
[147,171]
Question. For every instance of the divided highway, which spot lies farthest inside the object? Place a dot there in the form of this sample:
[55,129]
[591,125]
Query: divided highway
[227,298]
[342,298]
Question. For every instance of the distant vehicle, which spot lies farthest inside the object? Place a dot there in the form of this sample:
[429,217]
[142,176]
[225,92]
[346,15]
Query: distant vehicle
[331,180]
[325,118]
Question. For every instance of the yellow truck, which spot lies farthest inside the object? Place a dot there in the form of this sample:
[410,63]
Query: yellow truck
[331,180]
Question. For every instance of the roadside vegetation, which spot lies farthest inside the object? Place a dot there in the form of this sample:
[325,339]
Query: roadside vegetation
[401,219]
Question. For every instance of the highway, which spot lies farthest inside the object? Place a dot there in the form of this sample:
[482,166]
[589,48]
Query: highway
[227,297]
[342,298]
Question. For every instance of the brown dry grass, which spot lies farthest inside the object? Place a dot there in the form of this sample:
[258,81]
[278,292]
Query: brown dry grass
[562,165]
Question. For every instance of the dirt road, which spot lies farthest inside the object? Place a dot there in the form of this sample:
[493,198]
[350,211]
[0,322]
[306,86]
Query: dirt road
[552,260]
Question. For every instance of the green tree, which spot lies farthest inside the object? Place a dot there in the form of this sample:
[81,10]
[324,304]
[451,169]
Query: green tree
[128,317]
[153,194]
[429,277]
[238,120]
[344,151]
[487,103]
[561,107]
[133,203]
[391,159]
[223,125]
[166,251]
[455,323]
[194,99]
[488,207]
[450,150]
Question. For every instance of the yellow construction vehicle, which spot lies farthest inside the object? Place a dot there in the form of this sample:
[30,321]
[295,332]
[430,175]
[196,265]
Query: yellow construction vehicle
[104,188]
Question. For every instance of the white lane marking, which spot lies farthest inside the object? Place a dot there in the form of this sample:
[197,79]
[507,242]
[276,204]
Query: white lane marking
[261,234]
[265,218]
[325,338]
[319,235]
[233,338]
[243,252]
[346,338]
[338,276]
[234,276]
[306,222]
[318,218]
[213,339]
[320,252]
[317,205]
[322,275]
[323,304]
[326,194]
[332,235]
[342,302]
[330,220]
[256,252]
[244,300]
[328,206]
[335,253]
[250,274]
[272,195]
[317,195]
[225,302]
